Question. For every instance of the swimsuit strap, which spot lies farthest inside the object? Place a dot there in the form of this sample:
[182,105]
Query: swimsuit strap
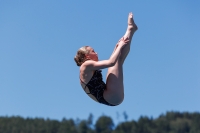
[85,83]
[85,86]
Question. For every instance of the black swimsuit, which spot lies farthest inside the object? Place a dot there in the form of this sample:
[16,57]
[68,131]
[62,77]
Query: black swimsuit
[96,87]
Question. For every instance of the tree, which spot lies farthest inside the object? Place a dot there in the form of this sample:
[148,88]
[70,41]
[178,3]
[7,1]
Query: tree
[126,127]
[125,116]
[67,126]
[104,125]
[90,120]
[144,125]
[84,127]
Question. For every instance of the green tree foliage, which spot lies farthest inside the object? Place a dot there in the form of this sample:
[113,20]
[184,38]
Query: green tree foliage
[84,127]
[67,126]
[90,120]
[126,127]
[104,125]
[145,125]
[125,116]
[171,122]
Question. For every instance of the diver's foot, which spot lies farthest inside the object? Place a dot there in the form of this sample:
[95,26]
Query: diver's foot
[131,23]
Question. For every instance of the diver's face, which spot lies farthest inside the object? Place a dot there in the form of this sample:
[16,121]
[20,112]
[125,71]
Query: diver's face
[92,54]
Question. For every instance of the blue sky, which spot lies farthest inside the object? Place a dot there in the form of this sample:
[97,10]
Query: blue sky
[39,39]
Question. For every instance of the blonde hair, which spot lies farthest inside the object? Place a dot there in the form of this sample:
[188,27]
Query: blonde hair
[80,55]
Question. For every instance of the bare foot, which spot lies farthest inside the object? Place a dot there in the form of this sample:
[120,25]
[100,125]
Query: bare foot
[131,23]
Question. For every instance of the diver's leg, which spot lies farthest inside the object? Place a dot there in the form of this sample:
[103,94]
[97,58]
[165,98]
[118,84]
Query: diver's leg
[114,92]
[131,28]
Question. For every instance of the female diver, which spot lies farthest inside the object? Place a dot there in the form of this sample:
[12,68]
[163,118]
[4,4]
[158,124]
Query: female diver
[110,93]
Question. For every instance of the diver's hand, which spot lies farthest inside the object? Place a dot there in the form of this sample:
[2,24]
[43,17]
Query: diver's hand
[122,42]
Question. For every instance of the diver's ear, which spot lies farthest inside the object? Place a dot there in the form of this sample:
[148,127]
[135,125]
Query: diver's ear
[87,57]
